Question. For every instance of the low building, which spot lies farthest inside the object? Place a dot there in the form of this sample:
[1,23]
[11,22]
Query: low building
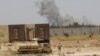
[24,32]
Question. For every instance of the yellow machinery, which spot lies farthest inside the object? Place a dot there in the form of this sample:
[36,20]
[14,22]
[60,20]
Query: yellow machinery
[34,46]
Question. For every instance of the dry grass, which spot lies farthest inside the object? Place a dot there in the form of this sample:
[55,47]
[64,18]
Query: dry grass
[76,41]
[75,38]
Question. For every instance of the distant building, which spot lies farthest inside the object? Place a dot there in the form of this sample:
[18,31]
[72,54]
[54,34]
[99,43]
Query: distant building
[24,32]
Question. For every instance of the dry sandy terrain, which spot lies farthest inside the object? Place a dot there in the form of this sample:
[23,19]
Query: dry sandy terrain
[77,46]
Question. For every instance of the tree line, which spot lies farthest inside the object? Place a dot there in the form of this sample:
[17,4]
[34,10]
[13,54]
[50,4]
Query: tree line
[74,25]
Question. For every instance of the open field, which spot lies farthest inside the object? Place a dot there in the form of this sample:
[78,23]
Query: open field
[75,38]
[81,45]
[71,46]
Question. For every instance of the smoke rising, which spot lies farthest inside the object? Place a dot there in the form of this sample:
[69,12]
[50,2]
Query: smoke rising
[49,10]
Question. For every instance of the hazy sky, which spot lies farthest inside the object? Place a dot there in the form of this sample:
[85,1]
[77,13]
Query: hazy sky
[79,8]
[25,11]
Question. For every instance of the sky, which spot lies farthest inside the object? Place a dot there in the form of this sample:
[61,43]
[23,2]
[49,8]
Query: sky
[90,9]
[26,11]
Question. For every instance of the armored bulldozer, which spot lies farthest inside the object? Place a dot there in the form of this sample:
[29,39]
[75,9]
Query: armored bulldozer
[34,46]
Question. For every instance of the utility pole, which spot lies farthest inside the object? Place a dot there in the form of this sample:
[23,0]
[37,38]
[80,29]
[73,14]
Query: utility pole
[82,25]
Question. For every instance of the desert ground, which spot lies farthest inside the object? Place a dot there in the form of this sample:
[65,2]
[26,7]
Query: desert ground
[81,45]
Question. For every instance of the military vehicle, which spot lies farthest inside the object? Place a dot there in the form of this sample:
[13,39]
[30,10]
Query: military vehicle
[34,46]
